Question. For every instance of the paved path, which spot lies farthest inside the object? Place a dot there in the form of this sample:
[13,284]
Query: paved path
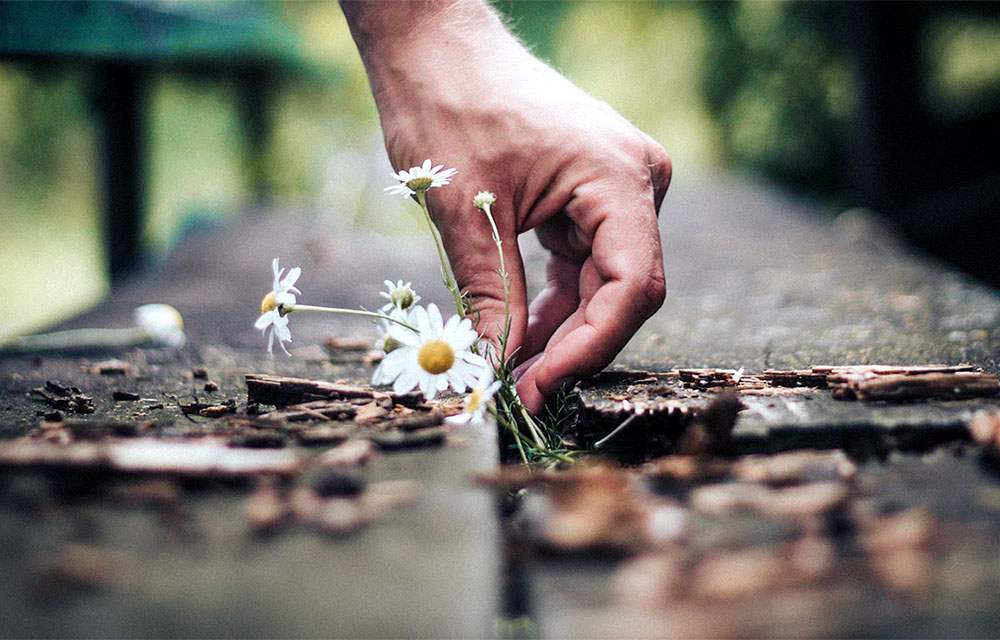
[756,281]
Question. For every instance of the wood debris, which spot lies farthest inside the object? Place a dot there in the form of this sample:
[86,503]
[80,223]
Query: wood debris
[64,398]
[596,508]
[191,458]
[951,386]
[282,391]
[110,368]
[314,410]
[124,396]
[711,431]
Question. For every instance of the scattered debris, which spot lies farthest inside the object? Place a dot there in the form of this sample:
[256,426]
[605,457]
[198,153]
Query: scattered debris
[917,386]
[413,420]
[64,398]
[315,410]
[596,508]
[193,458]
[370,412]
[711,431]
[110,368]
[281,391]
[214,410]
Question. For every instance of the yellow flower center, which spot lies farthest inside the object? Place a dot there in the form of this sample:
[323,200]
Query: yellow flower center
[420,184]
[268,303]
[436,357]
[473,400]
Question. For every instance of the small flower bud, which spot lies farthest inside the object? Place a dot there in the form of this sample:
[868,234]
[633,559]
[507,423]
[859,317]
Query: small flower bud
[484,199]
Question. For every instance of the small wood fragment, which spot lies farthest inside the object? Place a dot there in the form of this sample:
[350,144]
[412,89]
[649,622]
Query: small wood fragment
[314,410]
[918,386]
[64,398]
[111,368]
[282,391]
[124,396]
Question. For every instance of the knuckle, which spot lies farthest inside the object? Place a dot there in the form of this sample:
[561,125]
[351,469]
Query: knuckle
[649,293]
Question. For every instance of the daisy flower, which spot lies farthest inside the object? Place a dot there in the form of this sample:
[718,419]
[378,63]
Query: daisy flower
[400,296]
[475,403]
[433,357]
[275,306]
[420,179]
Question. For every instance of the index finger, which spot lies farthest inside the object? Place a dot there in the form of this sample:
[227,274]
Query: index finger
[621,285]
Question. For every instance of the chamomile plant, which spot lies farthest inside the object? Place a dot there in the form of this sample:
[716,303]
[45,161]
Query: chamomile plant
[423,350]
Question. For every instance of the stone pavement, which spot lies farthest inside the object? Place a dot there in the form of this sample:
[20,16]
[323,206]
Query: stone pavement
[757,281]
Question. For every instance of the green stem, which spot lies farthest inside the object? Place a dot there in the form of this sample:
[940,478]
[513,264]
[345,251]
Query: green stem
[449,280]
[351,312]
[511,425]
[76,339]
[504,276]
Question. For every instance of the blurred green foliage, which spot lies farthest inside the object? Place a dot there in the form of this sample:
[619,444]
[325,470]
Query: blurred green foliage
[760,85]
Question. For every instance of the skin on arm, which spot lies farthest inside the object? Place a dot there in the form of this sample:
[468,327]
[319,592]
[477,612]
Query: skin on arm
[452,84]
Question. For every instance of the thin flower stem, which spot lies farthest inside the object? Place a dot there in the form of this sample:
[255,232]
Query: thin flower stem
[352,312]
[449,280]
[504,276]
[512,427]
[539,441]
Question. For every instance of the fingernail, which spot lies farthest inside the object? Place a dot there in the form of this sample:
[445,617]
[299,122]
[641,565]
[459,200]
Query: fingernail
[560,385]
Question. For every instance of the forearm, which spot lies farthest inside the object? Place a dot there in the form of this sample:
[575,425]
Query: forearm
[400,39]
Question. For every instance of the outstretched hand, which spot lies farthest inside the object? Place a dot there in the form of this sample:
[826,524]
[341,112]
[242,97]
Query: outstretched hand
[459,89]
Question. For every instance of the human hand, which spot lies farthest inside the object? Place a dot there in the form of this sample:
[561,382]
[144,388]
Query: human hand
[457,88]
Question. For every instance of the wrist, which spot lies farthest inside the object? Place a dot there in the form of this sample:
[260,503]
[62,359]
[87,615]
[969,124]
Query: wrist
[406,45]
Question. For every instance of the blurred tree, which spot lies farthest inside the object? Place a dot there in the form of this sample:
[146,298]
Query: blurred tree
[779,90]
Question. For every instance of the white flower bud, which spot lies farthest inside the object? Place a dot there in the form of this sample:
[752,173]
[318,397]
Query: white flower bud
[162,323]
[484,199]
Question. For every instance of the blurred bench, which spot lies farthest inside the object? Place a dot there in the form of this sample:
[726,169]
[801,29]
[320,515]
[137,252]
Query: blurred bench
[123,44]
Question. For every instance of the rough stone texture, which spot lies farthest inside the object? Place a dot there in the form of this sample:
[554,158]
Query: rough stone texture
[756,281]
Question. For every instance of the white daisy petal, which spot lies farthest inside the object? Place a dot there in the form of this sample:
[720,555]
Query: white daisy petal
[264,320]
[459,420]
[406,381]
[473,359]
[434,315]
[289,280]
